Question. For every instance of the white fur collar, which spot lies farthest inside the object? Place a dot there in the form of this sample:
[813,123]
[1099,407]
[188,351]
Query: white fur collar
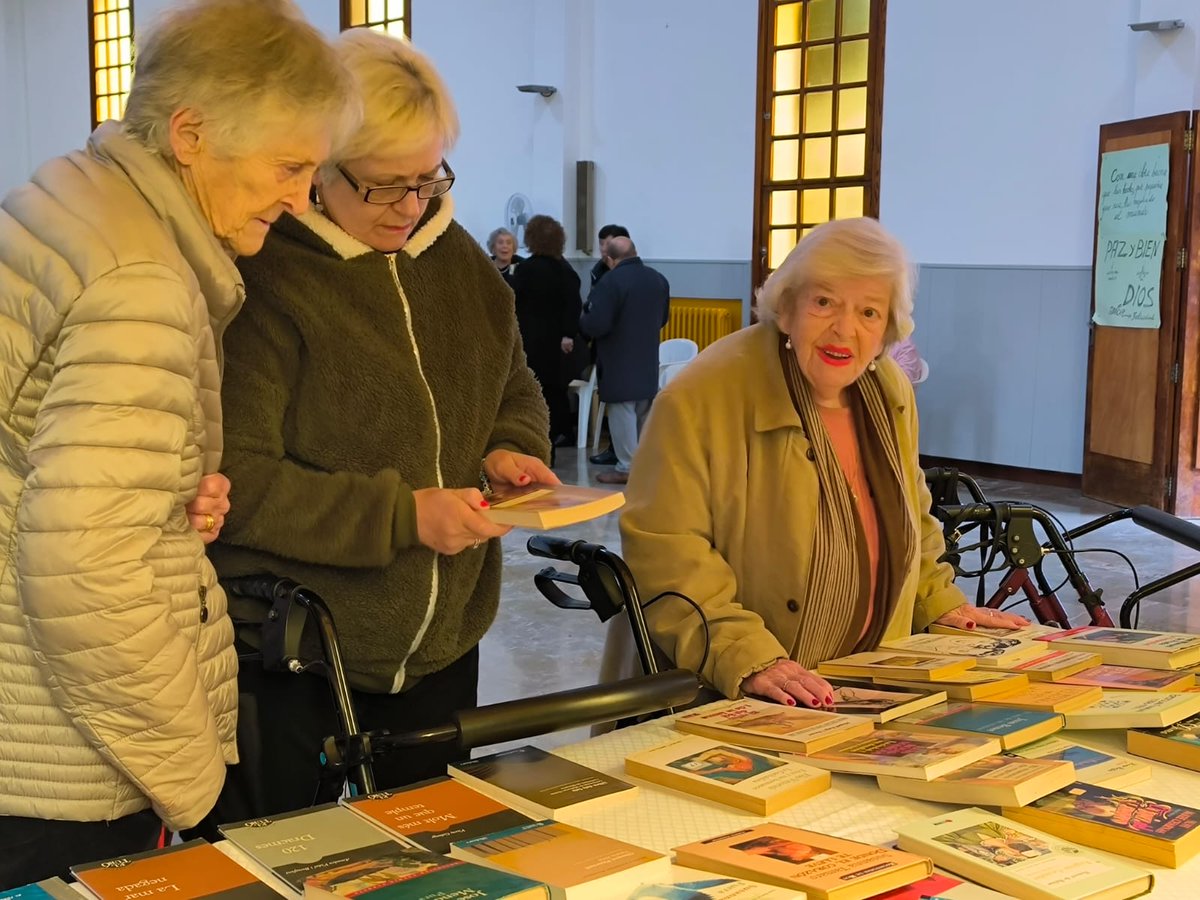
[347,246]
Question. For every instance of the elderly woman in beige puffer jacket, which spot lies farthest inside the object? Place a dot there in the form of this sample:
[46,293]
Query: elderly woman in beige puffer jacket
[118,692]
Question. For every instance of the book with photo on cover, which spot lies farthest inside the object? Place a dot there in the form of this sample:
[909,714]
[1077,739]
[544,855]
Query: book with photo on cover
[866,699]
[547,506]
[822,866]
[1011,857]
[541,784]
[1013,727]
[1135,709]
[1117,821]
[416,874]
[893,664]
[435,812]
[1091,766]
[1129,647]
[1132,678]
[903,754]
[756,782]
[992,781]
[773,726]
[1178,744]
[189,870]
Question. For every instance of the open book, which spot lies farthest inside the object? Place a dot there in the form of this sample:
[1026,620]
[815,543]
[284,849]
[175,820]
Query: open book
[546,506]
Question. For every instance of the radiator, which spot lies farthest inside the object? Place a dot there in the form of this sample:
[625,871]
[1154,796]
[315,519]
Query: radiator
[701,324]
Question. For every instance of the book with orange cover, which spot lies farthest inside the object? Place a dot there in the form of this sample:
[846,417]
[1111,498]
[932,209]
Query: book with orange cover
[192,869]
[547,506]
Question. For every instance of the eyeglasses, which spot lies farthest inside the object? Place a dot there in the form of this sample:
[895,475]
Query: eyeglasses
[387,194]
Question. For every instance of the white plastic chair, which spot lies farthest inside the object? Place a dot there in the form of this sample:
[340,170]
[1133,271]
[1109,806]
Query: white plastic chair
[673,355]
[586,391]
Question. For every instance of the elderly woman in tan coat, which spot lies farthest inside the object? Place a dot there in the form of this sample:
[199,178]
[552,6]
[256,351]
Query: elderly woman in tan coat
[778,483]
[116,283]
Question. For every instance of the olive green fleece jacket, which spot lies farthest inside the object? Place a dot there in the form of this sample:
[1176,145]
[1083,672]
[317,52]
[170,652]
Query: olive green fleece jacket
[353,378]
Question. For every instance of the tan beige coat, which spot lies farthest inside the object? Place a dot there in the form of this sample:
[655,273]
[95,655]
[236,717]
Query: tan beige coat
[117,672]
[722,505]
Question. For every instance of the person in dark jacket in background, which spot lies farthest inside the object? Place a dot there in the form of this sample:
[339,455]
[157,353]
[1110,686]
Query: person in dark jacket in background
[548,305]
[606,233]
[624,314]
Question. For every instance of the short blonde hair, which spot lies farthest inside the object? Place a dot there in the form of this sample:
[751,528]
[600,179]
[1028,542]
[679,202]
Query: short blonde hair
[844,248]
[404,99]
[245,67]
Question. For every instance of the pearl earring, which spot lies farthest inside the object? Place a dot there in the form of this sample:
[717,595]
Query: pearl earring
[871,366]
[788,342]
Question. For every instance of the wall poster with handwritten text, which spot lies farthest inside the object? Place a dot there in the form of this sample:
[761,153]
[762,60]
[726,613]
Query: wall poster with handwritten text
[1132,220]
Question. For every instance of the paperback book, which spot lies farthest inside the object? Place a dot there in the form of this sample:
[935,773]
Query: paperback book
[1026,632]
[823,867]
[1013,727]
[1127,647]
[547,506]
[992,781]
[1177,744]
[940,886]
[575,864]
[988,652]
[692,884]
[1057,665]
[1046,697]
[868,700]
[416,874]
[1128,824]
[434,813]
[53,888]
[735,776]
[890,664]
[772,726]
[189,870]
[1011,857]
[1132,678]
[976,684]
[904,754]
[541,784]
[1135,709]
[1091,766]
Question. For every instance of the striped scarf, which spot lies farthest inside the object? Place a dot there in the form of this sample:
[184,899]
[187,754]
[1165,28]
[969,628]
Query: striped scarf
[836,596]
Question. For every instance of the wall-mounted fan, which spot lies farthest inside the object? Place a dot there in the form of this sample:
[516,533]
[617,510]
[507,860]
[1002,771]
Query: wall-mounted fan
[517,212]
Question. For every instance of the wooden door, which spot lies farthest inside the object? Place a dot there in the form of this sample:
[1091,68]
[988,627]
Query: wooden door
[1131,420]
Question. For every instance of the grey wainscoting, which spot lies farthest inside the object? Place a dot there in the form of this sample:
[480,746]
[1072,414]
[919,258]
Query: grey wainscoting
[716,279]
[1007,352]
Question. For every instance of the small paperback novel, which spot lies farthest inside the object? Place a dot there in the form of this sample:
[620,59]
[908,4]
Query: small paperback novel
[772,726]
[540,784]
[1119,822]
[1057,665]
[988,652]
[1135,709]
[892,664]
[434,813]
[868,700]
[54,888]
[1127,647]
[823,867]
[1025,633]
[1178,744]
[1013,727]
[301,845]
[546,506]
[1011,857]
[903,754]
[1091,766]
[992,781]
[692,884]
[1132,678]
[940,886]
[187,870]
[1046,697]
[576,864]
[735,776]
[416,874]
[976,684]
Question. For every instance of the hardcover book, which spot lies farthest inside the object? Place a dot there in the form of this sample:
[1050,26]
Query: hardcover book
[824,867]
[1090,765]
[1013,727]
[863,698]
[187,870]
[539,783]
[1046,697]
[301,845]
[1127,647]
[1057,665]
[891,664]
[988,652]
[992,781]
[1177,744]
[1018,860]
[417,874]
[1135,709]
[972,685]
[1131,678]
[772,726]
[547,506]
[434,813]
[738,777]
[54,888]
[903,754]
[1119,822]
[575,864]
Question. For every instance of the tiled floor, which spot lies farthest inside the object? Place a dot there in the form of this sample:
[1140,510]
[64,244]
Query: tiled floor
[535,648]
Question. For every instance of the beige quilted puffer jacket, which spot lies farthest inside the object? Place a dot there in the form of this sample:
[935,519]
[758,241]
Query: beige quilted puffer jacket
[118,678]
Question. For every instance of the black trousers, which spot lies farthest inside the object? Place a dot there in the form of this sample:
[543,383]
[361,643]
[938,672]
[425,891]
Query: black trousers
[34,849]
[283,719]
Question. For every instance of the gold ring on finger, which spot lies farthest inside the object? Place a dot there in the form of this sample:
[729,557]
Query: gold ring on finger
[210,522]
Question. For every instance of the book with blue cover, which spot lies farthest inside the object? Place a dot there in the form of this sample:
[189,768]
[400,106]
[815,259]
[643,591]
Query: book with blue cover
[53,888]
[1013,727]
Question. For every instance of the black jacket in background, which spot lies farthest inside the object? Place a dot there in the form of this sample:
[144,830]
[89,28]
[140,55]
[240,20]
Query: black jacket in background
[624,314]
[548,304]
